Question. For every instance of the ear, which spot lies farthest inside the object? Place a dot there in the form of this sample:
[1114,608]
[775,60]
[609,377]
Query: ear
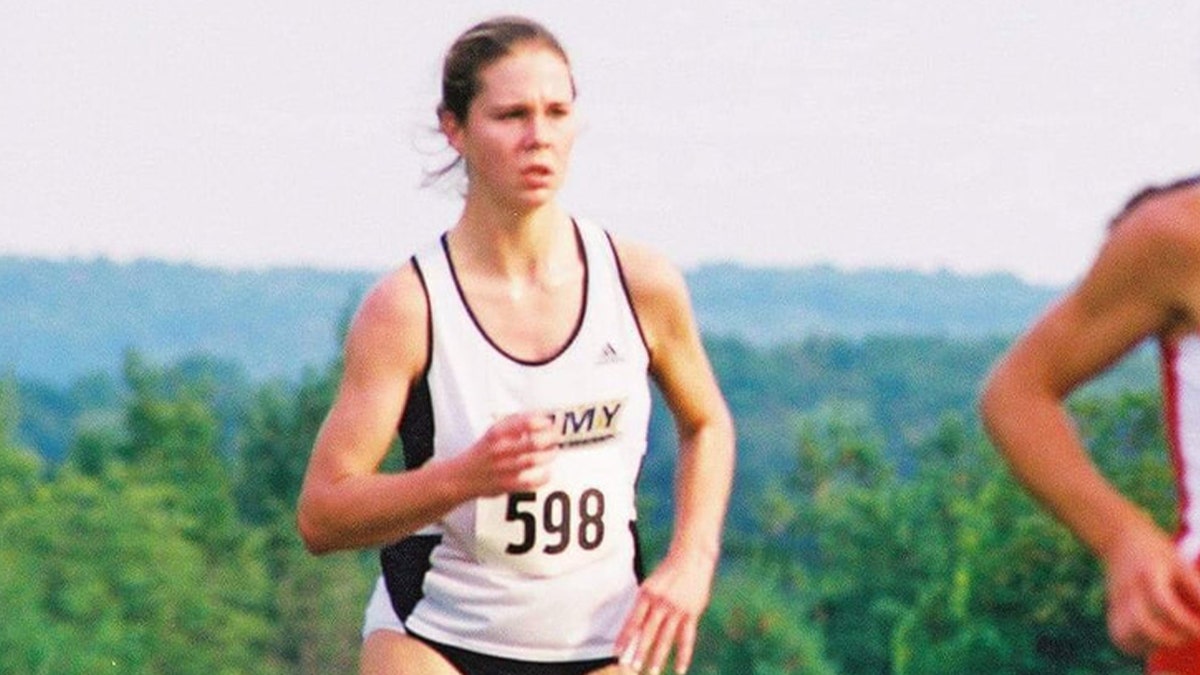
[452,129]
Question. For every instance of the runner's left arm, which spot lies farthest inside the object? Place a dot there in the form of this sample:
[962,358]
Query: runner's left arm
[671,600]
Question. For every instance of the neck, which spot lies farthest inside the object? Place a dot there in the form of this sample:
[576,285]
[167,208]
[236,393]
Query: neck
[501,242]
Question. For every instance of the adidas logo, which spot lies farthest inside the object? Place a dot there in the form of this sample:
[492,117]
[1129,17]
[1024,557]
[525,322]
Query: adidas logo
[609,355]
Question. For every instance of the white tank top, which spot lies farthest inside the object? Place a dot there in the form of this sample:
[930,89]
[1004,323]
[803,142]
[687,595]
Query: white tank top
[546,575]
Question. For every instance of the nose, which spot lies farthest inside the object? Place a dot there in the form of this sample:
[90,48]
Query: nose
[537,133]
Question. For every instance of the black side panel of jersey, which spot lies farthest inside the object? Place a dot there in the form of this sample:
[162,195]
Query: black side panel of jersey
[416,425]
[416,422]
[639,565]
[405,564]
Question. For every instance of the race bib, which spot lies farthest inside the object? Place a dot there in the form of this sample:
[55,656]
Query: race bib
[581,515]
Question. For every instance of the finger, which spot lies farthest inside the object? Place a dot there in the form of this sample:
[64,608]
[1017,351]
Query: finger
[531,458]
[513,462]
[663,642]
[518,435]
[503,438]
[1134,648]
[515,422]
[531,478]
[536,420]
[626,654]
[1126,617]
[1187,582]
[1149,629]
[520,424]
[648,636]
[534,469]
[686,643]
[629,632]
[545,439]
[1173,611]
[516,472]
[530,433]
[1128,638]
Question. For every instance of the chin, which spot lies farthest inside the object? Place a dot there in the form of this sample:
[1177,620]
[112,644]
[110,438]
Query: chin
[534,199]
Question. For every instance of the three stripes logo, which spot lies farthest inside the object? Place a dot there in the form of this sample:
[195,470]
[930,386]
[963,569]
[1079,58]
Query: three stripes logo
[609,354]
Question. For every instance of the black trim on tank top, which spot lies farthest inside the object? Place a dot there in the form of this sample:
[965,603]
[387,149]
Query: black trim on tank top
[428,315]
[637,320]
[416,420]
[495,345]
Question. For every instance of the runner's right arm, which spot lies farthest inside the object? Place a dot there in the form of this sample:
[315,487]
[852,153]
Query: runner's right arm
[345,502]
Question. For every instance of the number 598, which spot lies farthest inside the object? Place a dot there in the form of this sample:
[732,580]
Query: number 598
[556,521]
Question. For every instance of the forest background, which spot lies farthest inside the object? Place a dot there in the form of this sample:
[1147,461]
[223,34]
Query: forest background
[155,421]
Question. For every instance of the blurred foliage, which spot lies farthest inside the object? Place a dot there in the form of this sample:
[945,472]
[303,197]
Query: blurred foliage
[873,529]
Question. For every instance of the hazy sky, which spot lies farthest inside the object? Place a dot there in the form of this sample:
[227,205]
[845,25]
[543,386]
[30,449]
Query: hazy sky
[967,135]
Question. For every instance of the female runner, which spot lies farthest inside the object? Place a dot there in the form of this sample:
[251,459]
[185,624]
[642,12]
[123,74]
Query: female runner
[513,353]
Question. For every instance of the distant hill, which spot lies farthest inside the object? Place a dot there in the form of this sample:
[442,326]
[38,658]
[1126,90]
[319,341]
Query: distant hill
[61,319]
[772,305]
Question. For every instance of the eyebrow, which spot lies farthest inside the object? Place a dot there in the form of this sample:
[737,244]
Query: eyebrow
[525,105]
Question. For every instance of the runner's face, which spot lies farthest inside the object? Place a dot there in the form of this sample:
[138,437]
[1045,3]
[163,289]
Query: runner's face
[520,128]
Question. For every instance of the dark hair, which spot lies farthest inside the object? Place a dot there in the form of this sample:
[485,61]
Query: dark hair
[480,46]
[1147,193]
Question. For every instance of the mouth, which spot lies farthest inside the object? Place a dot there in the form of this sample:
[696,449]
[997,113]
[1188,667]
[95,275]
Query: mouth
[537,175]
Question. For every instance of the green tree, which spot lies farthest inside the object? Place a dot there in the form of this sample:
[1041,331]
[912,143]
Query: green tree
[132,554]
[1020,594]
[948,566]
[173,438]
[108,578]
[845,496]
[758,624]
[316,603]
[279,428]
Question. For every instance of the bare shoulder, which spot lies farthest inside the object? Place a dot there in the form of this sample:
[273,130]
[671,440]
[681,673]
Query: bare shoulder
[678,361]
[390,328]
[657,289]
[1156,244]
[648,274]
[396,298]
[1166,225]
[1148,270]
